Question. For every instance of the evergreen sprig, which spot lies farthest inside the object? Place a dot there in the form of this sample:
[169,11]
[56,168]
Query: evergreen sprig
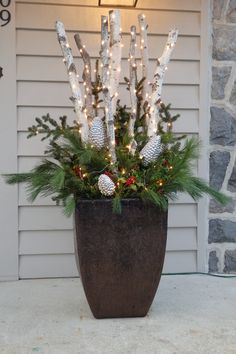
[70,169]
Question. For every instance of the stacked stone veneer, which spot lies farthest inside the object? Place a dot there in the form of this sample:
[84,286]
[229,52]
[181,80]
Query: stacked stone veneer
[222,221]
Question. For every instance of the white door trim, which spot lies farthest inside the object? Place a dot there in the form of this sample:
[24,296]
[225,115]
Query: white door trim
[8,147]
[204,122]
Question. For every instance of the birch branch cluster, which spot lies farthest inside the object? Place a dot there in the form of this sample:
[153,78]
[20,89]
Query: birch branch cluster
[151,100]
[110,55]
[110,62]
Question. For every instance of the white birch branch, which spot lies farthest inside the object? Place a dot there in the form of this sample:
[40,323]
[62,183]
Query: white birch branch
[132,87]
[107,98]
[73,80]
[104,52]
[161,68]
[115,55]
[144,55]
[86,78]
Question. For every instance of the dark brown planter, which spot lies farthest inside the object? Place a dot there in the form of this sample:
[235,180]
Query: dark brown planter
[120,256]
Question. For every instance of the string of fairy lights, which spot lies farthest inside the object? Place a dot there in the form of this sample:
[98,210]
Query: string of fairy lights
[107,68]
[116,94]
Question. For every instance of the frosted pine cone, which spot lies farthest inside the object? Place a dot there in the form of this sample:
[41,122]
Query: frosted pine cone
[151,150]
[106,185]
[97,134]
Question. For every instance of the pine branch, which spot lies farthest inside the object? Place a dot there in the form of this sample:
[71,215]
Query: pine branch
[49,127]
[201,188]
[17,177]
[148,195]
[69,205]
[116,204]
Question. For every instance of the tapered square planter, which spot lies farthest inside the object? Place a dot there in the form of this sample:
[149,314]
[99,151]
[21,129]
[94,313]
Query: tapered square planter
[120,256]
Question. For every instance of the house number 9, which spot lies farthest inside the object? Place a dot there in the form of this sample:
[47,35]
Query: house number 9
[5,15]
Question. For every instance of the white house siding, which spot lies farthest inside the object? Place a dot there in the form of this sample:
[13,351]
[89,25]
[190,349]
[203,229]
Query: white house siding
[45,235]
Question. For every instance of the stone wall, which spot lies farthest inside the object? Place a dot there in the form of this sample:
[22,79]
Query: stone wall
[222,220]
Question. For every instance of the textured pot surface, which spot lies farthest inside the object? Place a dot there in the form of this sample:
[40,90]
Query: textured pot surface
[120,256]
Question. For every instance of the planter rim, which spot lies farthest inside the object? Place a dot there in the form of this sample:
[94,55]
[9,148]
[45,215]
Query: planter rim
[125,202]
[106,200]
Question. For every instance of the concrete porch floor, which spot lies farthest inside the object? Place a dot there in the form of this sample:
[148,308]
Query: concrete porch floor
[190,314]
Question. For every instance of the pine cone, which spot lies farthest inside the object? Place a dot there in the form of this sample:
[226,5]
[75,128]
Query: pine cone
[151,150]
[106,185]
[97,133]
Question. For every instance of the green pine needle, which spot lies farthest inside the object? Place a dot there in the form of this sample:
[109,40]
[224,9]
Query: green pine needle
[58,179]
[69,206]
[116,204]
[149,195]
[71,168]
[203,188]
[17,177]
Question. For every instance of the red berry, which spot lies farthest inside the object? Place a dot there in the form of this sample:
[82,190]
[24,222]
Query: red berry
[130,180]
[78,171]
[108,173]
